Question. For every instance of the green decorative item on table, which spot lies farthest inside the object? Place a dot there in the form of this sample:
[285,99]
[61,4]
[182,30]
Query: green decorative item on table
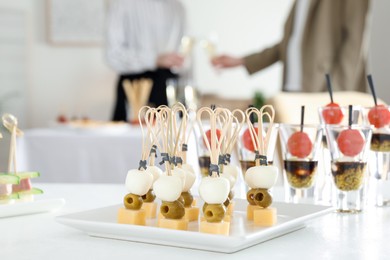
[258,102]
[15,185]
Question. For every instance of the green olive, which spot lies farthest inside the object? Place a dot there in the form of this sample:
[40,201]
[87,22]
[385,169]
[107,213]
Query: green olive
[181,199]
[250,196]
[227,202]
[172,210]
[214,213]
[149,197]
[262,198]
[188,199]
[132,201]
[204,206]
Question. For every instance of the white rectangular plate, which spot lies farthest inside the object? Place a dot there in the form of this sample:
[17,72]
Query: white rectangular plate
[102,222]
[30,207]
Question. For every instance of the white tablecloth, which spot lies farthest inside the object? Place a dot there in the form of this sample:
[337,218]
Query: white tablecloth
[334,236]
[82,155]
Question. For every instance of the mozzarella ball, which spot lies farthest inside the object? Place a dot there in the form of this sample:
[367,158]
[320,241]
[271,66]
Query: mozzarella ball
[214,190]
[179,172]
[168,188]
[139,182]
[261,177]
[230,172]
[155,171]
[190,177]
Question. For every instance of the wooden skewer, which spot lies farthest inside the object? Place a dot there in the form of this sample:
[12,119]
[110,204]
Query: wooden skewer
[181,132]
[165,115]
[260,142]
[10,122]
[137,93]
[146,87]
[215,146]
[153,122]
[271,116]
[146,143]
[236,126]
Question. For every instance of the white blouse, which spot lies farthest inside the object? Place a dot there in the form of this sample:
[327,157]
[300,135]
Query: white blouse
[138,31]
[294,47]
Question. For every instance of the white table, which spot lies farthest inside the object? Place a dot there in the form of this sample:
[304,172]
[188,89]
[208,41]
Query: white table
[334,236]
[83,155]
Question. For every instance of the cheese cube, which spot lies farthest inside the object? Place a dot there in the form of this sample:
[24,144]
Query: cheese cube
[265,217]
[178,224]
[221,228]
[132,217]
[249,211]
[150,209]
[226,218]
[230,208]
[191,214]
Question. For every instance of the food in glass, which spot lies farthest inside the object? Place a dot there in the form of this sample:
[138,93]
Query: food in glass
[299,144]
[380,142]
[350,142]
[348,176]
[379,116]
[332,113]
[300,174]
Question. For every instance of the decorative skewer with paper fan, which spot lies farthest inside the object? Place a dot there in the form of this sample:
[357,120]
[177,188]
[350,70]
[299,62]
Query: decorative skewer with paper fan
[234,121]
[180,130]
[213,189]
[138,184]
[21,184]
[148,116]
[169,187]
[261,177]
[6,181]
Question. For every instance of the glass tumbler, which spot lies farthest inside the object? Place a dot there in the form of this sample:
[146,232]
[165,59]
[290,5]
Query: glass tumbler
[349,149]
[301,151]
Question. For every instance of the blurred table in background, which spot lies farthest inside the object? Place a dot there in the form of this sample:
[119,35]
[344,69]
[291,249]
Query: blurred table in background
[101,155]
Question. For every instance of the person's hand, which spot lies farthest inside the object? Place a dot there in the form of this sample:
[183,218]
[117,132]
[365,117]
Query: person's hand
[225,61]
[170,60]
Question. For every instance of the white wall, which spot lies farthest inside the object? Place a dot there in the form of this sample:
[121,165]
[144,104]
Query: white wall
[77,82]
[70,80]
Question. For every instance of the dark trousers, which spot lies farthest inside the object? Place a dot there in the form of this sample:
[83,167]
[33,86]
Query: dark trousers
[158,95]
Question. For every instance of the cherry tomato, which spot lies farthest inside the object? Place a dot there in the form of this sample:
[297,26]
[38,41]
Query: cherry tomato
[62,119]
[247,140]
[299,144]
[208,134]
[379,116]
[350,142]
[332,114]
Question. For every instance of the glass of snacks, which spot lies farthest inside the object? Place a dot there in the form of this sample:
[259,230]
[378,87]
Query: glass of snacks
[349,148]
[378,117]
[301,151]
[331,114]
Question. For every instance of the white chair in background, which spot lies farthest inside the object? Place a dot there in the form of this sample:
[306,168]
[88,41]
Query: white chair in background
[288,105]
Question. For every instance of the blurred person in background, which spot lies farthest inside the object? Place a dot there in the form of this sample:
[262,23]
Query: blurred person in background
[320,36]
[142,40]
